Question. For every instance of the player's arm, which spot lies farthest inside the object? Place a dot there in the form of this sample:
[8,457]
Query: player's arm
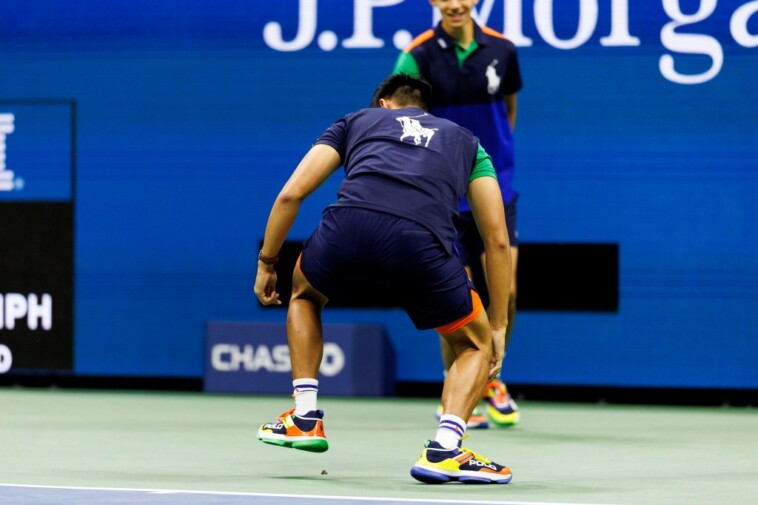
[312,171]
[486,203]
[512,84]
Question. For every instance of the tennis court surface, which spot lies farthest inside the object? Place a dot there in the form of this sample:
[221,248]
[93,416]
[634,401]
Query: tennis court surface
[94,447]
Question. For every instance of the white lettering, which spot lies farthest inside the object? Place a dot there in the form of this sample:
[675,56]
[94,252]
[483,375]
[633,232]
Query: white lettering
[6,176]
[476,462]
[514,20]
[619,35]
[6,358]
[333,361]
[262,360]
[543,18]
[686,43]
[306,31]
[244,357]
[15,308]
[217,358]
[738,25]
[281,354]
[40,311]
[233,358]
[363,27]
[482,14]
[363,36]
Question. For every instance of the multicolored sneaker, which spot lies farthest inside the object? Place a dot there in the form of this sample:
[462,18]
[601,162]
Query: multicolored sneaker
[438,465]
[298,432]
[501,408]
[477,421]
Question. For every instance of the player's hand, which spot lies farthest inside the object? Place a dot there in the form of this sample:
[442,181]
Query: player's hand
[498,352]
[265,285]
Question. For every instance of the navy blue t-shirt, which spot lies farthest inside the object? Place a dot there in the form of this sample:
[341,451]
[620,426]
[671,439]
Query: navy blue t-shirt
[404,162]
[471,94]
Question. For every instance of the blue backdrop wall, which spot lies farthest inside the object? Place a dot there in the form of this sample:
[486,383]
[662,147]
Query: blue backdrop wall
[638,125]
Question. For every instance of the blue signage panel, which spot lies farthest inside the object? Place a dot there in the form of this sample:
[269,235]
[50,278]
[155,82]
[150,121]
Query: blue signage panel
[37,153]
[36,150]
[251,357]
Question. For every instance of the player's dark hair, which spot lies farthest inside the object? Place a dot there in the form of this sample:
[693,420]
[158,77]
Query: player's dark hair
[404,90]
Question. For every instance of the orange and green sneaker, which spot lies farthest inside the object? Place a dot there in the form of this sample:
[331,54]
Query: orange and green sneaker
[304,432]
[501,408]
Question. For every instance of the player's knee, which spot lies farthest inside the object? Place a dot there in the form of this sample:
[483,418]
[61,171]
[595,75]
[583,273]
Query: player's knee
[303,290]
[476,336]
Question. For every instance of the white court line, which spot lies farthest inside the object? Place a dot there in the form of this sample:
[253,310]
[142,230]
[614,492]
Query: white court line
[276,495]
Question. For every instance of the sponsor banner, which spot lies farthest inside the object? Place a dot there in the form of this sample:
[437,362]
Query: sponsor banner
[37,152]
[675,32]
[36,286]
[251,357]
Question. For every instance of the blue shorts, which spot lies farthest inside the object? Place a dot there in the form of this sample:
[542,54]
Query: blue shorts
[357,254]
[469,242]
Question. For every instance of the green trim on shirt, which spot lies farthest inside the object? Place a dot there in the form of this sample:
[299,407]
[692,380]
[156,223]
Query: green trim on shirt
[406,64]
[462,54]
[483,166]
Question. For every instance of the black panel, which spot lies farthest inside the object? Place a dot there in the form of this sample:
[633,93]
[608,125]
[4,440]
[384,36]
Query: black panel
[551,277]
[37,264]
[568,277]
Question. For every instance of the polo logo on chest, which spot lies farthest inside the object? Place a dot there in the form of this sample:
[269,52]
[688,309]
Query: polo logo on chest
[413,128]
[493,80]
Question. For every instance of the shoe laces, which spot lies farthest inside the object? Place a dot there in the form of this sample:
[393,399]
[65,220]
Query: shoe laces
[476,455]
[284,415]
[497,389]
[497,386]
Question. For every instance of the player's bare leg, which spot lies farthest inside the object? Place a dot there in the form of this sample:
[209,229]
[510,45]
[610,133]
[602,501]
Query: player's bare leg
[302,427]
[304,329]
[467,376]
[477,420]
[444,459]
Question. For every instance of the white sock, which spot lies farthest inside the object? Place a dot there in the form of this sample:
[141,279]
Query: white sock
[450,431]
[305,392]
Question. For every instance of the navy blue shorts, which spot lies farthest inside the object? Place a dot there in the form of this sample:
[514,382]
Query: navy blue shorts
[358,254]
[469,242]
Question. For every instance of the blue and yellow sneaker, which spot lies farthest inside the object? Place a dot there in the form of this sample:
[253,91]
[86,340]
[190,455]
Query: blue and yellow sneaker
[501,408]
[477,421]
[297,432]
[438,465]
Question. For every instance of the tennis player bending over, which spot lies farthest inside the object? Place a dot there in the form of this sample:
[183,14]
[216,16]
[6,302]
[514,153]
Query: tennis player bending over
[391,231]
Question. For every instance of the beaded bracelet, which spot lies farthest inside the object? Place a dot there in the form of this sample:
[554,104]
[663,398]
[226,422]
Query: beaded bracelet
[268,260]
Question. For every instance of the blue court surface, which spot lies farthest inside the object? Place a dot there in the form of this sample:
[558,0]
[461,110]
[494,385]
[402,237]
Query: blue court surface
[37,495]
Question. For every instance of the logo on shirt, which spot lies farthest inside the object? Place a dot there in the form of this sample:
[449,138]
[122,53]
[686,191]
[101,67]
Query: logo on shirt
[413,128]
[493,80]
